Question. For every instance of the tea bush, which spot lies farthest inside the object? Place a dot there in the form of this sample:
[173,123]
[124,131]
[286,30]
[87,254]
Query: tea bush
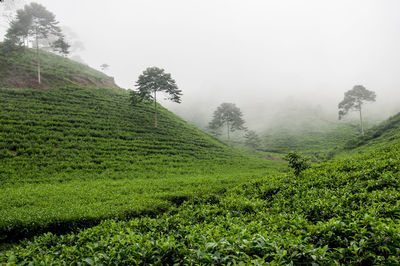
[345,212]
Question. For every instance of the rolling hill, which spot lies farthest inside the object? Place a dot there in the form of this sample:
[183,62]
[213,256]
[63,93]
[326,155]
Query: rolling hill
[71,156]
[343,212]
[86,168]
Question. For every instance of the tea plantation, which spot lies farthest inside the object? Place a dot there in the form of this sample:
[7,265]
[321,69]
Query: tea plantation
[73,156]
[86,179]
[345,212]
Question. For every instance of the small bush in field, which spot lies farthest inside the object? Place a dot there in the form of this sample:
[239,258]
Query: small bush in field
[297,162]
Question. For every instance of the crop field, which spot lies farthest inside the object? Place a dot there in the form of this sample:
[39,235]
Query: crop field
[342,212]
[71,157]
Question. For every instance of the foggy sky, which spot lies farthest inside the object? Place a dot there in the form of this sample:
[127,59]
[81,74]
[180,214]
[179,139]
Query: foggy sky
[258,54]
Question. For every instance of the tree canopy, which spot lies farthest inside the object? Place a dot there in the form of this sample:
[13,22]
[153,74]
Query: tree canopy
[154,80]
[33,23]
[354,100]
[227,114]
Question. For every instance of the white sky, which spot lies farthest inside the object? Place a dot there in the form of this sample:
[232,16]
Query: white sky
[256,53]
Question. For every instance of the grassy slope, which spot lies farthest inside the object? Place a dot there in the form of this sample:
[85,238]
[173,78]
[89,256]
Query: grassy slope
[73,156]
[385,133]
[345,212]
[18,70]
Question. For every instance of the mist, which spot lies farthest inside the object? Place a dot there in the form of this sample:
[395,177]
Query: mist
[271,58]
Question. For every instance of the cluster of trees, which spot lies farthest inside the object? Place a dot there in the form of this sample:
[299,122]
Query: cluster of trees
[154,80]
[229,115]
[35,25]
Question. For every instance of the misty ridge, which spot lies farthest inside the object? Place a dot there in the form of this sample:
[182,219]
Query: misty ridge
[280,62]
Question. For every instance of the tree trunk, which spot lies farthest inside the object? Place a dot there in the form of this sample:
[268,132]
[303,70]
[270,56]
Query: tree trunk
[155,109]
[38,57]
[361,123]
[227,126]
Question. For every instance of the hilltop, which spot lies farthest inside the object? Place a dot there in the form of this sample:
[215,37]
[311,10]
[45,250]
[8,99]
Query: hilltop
[18,70]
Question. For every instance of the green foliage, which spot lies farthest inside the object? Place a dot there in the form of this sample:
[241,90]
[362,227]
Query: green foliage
[135,98]
[154,80]
[61,46]
[72,156]
[151,81]
[297,162]
[385,132]
[344,212]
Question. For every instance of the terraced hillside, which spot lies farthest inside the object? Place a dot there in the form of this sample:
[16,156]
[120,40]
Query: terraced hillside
[72,156]
[18,70]
[345,212]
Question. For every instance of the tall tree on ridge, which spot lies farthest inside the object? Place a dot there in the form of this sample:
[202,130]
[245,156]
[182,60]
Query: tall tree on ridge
[35,23]
[154,80]
[353,100]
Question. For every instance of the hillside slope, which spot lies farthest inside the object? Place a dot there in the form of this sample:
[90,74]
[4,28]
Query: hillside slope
[73,156]
[345,212]
[386,133]
[18,70]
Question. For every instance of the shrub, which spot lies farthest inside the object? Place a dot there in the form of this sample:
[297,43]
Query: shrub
[297,162]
